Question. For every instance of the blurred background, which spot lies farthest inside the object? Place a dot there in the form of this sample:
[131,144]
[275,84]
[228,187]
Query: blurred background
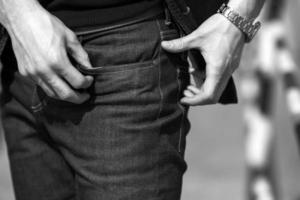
[218,143]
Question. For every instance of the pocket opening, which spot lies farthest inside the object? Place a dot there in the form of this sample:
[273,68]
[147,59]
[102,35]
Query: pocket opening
[115,68]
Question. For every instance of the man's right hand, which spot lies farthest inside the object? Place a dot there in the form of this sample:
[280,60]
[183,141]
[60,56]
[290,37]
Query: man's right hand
[42,44]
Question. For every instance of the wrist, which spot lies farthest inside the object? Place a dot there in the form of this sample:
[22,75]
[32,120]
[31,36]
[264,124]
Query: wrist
[248,9]
[245,24]
[17,13]
[230,29]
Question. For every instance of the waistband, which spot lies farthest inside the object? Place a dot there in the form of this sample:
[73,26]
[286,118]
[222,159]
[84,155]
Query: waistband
[80,21]
[94,29]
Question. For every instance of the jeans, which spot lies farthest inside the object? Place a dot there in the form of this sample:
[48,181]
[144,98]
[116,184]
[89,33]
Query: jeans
[126,143]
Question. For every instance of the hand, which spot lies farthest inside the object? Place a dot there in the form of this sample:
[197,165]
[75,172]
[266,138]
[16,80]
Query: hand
[221,45]
[42,43]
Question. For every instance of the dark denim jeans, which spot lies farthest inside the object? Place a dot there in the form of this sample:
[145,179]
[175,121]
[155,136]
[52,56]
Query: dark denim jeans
[126,143]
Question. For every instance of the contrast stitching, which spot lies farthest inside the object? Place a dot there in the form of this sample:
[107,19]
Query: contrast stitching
[181,108]
[160,109]
[108,28]
[159,75]
[108,70]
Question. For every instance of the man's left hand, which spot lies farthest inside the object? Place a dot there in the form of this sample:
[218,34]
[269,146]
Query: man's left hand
[221,44]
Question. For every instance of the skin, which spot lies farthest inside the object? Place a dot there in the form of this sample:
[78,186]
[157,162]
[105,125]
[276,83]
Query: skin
[42,43]
[221,44]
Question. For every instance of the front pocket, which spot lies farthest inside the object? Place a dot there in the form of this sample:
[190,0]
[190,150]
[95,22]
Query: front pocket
[121,49]
[114,68]
[119,91]
[115,82]
[132,80]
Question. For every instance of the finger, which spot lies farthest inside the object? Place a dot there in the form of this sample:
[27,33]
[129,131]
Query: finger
[188,93]
[63,91]
[46,88]
[76,50]
[179,45]
[209,93]
[193,89]
[76,79]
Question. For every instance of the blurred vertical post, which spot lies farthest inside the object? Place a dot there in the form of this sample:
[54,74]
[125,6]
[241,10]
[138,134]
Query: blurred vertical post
[288,67]
[258,90]
[273,60]
[290,73]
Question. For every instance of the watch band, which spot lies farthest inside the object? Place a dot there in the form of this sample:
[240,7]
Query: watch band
[247,26]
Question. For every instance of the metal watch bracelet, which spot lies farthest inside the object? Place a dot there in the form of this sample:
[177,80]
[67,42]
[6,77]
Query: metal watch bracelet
[247,26]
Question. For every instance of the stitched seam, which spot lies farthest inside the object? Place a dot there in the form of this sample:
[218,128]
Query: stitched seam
[108,28]
[159,111]
[106,70]
[159,75]
[182,110]
[161,36]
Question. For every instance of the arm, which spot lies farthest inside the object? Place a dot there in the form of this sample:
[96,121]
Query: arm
[41,44]
[221,44]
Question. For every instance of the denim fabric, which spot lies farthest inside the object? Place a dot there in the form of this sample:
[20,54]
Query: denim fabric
[3,38]
[126,143]
[189,14]
[188,23]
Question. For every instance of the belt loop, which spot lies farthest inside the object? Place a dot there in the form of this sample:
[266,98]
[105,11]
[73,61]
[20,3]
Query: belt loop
[168,20]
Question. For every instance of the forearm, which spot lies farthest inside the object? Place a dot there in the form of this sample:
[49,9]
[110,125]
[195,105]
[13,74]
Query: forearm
[247,8]
[15,12]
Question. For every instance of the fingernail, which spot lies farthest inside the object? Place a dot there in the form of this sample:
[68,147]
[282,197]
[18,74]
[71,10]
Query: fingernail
[89,81]
[87,65]
[183,101]
[90,78]
[187,93]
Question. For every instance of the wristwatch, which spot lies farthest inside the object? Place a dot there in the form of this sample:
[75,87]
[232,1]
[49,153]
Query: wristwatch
[247,26]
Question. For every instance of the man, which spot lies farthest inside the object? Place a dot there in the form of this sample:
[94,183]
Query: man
[96,94]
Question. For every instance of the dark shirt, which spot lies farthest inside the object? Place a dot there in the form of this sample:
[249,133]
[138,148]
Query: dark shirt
[89,13]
